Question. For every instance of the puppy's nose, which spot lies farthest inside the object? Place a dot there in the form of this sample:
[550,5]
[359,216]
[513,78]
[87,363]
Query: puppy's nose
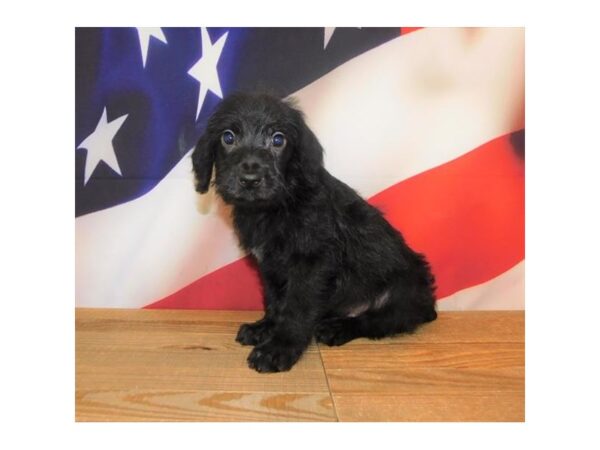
[250,180]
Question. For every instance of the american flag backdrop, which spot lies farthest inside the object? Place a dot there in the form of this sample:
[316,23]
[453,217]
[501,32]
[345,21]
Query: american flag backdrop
[425,123]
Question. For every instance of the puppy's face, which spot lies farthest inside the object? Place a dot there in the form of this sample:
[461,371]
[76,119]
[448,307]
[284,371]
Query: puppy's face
[255,139]
[259,146]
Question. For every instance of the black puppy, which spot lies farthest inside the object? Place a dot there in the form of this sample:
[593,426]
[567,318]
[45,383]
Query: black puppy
[331,266]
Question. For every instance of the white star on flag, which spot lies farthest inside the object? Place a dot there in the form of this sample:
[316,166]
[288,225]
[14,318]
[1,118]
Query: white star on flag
[205,69]
[99,146]
[328,33]
[145,33]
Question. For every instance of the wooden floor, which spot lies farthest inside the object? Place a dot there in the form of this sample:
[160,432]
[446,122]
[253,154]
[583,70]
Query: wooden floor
[142,365]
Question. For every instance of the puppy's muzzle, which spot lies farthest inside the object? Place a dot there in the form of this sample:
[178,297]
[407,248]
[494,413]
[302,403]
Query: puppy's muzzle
[251,173]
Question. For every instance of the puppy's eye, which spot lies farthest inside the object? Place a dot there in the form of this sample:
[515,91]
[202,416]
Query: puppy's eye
[228,137]
[278,139]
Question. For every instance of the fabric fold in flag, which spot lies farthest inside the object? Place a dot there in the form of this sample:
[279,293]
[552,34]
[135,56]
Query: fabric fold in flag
[467,216]
[425,123]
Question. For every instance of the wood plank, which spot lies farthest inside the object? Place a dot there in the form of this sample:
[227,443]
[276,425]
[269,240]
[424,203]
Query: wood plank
[129,405]
[185,365]
[400,355]
[460,407]
[465,366]
[154,320]
[141,365]
[424,381]
[460,327]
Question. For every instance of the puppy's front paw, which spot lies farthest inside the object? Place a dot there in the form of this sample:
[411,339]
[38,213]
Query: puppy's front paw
[271,357]
[254,333]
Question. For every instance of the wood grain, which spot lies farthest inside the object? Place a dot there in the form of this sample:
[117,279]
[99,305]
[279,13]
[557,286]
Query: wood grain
[465,366]
[157,365]
[460,407]
[185,366]
[434,355]
[462,327]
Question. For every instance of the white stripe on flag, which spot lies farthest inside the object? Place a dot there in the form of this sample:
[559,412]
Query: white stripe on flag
[505,292]
[411,104]
[416,102]
[143,250]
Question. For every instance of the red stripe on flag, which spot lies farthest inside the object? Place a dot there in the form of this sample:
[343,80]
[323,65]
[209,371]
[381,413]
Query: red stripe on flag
[235,286]
[466,215]
[406,30]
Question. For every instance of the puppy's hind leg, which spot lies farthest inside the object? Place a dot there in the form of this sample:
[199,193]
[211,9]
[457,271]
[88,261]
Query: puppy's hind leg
[381,320]
[337,330]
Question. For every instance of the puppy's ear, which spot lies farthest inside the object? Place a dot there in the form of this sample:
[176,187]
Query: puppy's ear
[203,159]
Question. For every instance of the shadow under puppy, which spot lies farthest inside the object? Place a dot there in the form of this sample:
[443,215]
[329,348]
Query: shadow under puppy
[331,266]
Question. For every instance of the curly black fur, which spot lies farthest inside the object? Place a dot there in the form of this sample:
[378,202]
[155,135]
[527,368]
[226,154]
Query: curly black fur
[331,266]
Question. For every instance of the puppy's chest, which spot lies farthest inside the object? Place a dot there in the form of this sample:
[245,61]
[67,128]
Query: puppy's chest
[258,251]
[269,241]
[272,249]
